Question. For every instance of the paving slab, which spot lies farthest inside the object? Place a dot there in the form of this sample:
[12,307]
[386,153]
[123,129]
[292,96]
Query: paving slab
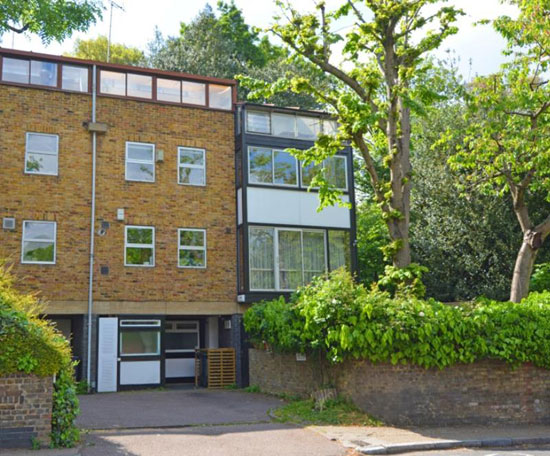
[173,408]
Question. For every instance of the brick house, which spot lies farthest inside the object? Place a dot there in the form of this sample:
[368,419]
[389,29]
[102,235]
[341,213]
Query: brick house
[132,171]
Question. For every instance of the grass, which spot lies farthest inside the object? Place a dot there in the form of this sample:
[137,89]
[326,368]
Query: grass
[337,412]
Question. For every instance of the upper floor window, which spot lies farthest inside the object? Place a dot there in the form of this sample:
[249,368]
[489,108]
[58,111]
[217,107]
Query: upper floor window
[139,85]
[74,78]
[39,241]
[37,72]
[191,166]
[194,93]
[112,82]
[288,125]
[41,154]
[191,248]
[139,246]
[220,96]
[268,166]
[335,169]
[140,162]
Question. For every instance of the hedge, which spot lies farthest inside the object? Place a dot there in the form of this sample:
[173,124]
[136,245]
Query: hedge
[343,320]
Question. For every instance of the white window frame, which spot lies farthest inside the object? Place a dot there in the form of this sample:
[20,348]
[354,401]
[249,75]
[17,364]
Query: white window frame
[143,162]
[139,246]
[273,183]
[175,330]
[342,157]
[152,324]
[27,152]
[24,239]
[276,268]
[187,247]
[185,165]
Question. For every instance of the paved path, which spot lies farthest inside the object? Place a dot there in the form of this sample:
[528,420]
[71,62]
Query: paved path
[233,440]
[173,407]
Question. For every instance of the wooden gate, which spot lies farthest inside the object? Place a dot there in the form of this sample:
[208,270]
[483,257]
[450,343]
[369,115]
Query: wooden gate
[220,368]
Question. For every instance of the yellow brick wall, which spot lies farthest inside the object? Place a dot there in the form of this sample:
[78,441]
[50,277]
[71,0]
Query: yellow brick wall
[165,204]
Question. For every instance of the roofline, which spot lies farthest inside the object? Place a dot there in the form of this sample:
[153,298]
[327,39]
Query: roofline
[116,66]
[270,107]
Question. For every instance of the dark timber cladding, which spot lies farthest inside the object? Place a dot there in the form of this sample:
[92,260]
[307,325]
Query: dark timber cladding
[339,220]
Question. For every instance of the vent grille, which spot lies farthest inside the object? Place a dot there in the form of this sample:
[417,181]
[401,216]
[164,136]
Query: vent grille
[8,223]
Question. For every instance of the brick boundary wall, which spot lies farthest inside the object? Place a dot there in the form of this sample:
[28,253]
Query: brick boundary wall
[25,410]
[484,392]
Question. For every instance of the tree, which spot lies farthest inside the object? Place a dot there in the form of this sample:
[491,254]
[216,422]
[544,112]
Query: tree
[371,91]
[507,147]
[96,49]
[223,46]
[49,19]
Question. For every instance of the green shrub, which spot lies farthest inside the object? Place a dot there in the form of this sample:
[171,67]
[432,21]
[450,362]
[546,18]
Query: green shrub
[342,320]
[33,345]
[540,279]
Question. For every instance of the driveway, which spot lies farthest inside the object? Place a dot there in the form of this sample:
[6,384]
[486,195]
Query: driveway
[173,408]
[176,422]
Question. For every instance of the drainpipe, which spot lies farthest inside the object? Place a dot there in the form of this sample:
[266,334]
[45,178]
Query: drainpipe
[92,231]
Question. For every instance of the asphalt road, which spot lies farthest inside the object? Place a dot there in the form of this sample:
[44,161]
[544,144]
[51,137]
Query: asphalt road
[516,451]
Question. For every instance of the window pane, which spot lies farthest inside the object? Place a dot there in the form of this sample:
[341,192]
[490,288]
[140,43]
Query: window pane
[139,343]
[192,156]
[191,238]
[168,90]
[261,258]
[313,254]
[74,78]
[192,176]
[140,86]
[43,73]
[140,172]
[15,70]
[309,172]
[258,122]
[41,163]
[330,127]
[192,258]
[181,341]
[42,143]
[140,152]
[139,256]
[193,93]
[39,231]
[285,168]
[139,235]
[112,82]
[38,251]
[290,260]
[283,125]
[308,127]
[261,167]
[339,249]
[219,96]
[336,171]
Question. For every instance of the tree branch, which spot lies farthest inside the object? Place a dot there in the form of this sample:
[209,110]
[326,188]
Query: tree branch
[18,30]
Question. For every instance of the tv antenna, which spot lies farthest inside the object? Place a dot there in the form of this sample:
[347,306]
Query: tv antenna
[116,5]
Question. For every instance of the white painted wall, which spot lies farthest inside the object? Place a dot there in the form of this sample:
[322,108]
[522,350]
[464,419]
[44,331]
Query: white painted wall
[139,372]
[290,207]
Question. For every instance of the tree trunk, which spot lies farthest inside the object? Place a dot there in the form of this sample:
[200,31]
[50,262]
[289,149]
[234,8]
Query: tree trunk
[399,232]
[522,270]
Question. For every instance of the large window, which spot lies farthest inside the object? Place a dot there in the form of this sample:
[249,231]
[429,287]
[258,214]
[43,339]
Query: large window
[288,125]
[191,248]
[191,166]
[139,246]
[285,258]
[43,73]
[258,122]
[140,337]
[74,78]
[140,162]
[219,96]
[36,72]
[339,248]
[41,154]
[335,171]
[39,239]
[275,167]
[181,336]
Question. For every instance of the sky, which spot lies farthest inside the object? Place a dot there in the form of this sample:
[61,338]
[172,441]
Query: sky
[478,48]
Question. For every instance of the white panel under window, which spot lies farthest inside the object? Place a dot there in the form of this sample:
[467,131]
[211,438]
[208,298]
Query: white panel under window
[15,70]
[107,355]
[74,78]
[179,367]
[41,154]
[258,122]
[140,86]
[140,372]
[38,242]
[140,162]
[294,208]
[191,166]
[240,206]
